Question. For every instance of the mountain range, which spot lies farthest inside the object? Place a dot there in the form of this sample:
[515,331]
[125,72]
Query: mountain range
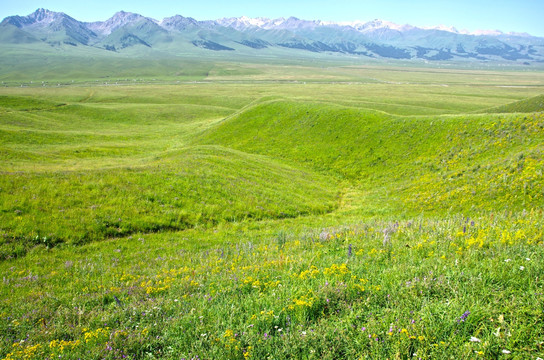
[179,34]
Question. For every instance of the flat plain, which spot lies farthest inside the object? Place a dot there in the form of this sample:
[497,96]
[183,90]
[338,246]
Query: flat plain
[303,211]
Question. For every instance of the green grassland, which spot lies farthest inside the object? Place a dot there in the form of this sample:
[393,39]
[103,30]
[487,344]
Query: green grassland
[534,104]
[283,211]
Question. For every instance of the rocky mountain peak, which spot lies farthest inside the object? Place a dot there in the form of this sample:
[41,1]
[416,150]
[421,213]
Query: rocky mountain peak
[119,19]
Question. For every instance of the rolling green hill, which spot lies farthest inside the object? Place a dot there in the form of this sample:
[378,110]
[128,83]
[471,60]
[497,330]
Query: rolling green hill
[254,158]
[196,187]
[10,34]
[100,167]
[461,163]
[534,104]
[372,212]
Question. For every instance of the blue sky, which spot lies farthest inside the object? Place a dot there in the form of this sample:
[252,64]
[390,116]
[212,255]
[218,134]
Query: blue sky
[505,15]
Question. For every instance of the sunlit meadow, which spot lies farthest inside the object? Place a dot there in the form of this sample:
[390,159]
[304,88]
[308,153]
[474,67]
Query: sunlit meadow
[289,220]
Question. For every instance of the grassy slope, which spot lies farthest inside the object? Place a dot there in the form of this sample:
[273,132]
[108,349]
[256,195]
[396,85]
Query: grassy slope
[320,286]
[426,163]
[533,104]
[91,169]
[200,186]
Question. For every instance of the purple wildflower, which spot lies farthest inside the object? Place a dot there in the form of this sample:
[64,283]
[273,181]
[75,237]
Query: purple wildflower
[463,317]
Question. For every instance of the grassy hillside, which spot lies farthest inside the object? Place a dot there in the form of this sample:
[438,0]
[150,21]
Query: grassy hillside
[373,213]
[97,167]
[458,163]
[533,104]
[200,186]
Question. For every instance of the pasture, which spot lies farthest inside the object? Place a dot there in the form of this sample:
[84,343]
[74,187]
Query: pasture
[272,212]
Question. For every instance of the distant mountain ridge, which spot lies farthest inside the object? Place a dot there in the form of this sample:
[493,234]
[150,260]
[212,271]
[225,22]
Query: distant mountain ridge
[118,20]
[375,39]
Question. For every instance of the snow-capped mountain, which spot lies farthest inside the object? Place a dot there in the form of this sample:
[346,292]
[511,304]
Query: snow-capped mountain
[376,38]
[292,23]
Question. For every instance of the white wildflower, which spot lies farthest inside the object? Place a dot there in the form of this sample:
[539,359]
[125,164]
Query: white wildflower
[475,339]
[506,351]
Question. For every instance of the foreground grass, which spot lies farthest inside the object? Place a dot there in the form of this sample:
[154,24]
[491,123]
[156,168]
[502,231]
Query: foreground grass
[452,287]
